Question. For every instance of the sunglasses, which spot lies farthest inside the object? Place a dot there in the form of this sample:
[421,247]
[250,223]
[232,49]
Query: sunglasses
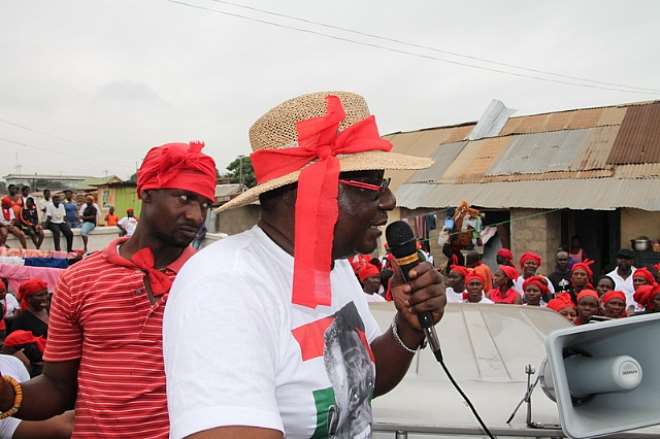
[377,188]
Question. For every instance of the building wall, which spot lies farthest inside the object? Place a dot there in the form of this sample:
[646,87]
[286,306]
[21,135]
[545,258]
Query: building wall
[238,220]
[121,198]
[637,222]
[536,230]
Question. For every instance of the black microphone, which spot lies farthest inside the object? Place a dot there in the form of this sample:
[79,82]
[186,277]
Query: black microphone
[403,245]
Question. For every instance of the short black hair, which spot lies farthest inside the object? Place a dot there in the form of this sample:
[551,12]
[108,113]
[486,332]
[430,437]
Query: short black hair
[625,253]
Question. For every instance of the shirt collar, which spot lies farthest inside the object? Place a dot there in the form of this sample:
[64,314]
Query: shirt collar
[112,255]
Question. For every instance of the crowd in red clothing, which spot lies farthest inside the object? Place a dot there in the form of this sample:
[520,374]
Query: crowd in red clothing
[570,290]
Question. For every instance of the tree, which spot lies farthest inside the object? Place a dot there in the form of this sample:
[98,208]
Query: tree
[240,171]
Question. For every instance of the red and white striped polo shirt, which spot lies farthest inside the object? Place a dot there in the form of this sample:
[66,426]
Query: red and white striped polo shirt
[102,315]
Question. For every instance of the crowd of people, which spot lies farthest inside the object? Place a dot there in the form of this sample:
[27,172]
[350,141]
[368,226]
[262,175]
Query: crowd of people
[570,289]
[24,215]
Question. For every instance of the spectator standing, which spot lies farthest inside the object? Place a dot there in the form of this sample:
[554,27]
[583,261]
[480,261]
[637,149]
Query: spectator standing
[88,214]
[474,290]
[111,219]
[44,202]
[9,222]
[642,276]
[33,316]
[529,264]
[576,252]
[127,224]
[614,304]
[504,292]
[563,305]
[581,278]
[56,223]
[504,256]
[105,329]
[473,260]
[71,210]
[623,277]
[25,194]
[605,284]
[536,288]
[29,221]
[456,283]
[648,296]
[587,306]
[561,277]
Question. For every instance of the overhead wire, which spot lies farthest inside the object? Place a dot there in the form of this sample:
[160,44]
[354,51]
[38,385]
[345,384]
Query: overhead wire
[431,48]
[405,52]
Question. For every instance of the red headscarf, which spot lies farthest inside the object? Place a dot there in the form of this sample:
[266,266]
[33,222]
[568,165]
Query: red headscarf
[180,166]
[21,337]
[561,301]
[28,288]
[645,295]
[584,266]
[460,270]
[613,295]
[368,270]
[509,272]
[587,293]
[359,261]
[319,143]
[471,275]
[529,256]
[506,254]
[646,274]
[538,281]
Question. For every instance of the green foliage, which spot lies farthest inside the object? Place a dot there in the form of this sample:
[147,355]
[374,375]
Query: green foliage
[240,171]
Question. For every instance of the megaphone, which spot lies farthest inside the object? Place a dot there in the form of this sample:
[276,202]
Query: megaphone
[605,377]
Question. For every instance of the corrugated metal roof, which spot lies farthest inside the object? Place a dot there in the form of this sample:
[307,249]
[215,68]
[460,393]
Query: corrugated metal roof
[563,120]
[597,193]
[638,140]
[422,143]
[638,171]
[541,152]
[596,148]
[444,156]
[475,159]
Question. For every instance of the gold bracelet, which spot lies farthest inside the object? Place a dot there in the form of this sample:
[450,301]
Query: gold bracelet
[18,397]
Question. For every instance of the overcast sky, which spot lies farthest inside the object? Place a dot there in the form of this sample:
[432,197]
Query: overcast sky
[99,82]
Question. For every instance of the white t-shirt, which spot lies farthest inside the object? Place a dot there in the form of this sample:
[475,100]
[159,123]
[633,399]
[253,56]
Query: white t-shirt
[129,224]
[453,296]
[518,286]
[7,222]
[12,366]
[56,214]
[484,299]
[374,297]
[238,352]
[12,305]
[627,286]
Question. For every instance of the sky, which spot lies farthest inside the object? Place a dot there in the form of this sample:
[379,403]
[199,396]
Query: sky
[88,86]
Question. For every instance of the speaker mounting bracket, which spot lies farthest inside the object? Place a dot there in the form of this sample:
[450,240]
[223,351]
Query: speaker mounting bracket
[527,400]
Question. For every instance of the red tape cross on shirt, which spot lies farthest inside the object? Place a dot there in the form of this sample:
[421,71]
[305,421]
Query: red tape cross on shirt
[311,338]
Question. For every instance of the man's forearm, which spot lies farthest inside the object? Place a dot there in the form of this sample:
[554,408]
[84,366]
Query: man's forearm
[44,396]
[392,360]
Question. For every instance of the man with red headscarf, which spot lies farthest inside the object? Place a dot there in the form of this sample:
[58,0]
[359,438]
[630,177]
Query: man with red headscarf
[104,350]
[529,265]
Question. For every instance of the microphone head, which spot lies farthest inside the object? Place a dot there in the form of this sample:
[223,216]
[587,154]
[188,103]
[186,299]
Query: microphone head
[400,239]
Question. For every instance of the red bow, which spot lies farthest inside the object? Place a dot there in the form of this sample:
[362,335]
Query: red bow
[316,203]
[144,260]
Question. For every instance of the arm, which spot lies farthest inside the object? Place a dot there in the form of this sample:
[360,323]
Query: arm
[46,395]
[58,427]
[425,292]
[237,433]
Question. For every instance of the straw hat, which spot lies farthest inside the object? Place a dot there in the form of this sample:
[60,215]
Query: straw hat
[277,129]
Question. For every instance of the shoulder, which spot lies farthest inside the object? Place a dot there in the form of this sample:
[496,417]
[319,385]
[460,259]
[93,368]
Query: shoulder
[88,266]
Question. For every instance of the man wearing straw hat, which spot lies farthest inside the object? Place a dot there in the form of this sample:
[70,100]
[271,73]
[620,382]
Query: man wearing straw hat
[267,333]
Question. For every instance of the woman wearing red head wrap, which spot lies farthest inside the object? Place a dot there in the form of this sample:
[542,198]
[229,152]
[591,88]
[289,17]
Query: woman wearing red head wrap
[563,304]
[587,306]
[34,297]
[536,287]
[642,276]
[648,296]
[504,256]
[474,293]
[456,283]
[581,277]
[614,304]
[503,282]
[529,264]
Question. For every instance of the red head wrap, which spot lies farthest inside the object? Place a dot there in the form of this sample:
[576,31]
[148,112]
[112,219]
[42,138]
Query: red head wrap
[645,295]
[2,286]
[561,301]
[368,270]
[584,266]
[529,256]
[506,254]
[28,288]
[21,337]
[646,274]
[459,269]
[319,143]
[587,293]
[180,166]
[359,261]
[509,272]
[613,295]
[471,275]
[538,281]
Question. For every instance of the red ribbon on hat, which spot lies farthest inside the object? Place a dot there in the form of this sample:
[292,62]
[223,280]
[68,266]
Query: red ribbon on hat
[319,142]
